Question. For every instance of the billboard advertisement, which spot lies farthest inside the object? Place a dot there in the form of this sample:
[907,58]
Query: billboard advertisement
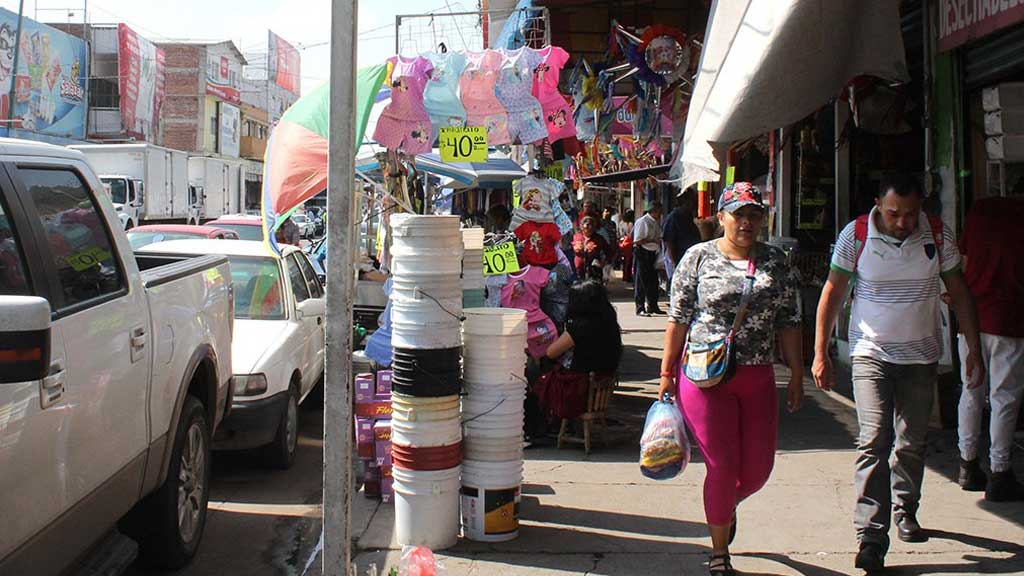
[284,64]
[230,132]
[140,83]
[223,76]
[49,84]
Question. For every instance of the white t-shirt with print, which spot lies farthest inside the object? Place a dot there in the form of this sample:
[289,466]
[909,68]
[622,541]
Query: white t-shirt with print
[895,316]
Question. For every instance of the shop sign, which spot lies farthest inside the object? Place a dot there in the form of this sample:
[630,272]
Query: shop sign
[500,259]
[463,144]
[961,21]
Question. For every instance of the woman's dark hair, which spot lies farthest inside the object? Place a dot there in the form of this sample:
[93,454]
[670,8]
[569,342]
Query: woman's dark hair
[629,216]
[593,221]
[589,299]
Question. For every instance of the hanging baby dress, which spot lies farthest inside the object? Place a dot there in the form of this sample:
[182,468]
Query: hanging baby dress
[476,87]
[557,112]
[523,292]
[515,91]
[441,97]
[404,124]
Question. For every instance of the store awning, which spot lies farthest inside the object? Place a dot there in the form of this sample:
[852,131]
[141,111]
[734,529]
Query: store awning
[769,63]
[497,172]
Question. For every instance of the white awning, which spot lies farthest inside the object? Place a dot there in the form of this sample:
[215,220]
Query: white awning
[769,63]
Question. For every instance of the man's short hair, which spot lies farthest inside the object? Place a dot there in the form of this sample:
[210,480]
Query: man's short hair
[902,184]
[656,207]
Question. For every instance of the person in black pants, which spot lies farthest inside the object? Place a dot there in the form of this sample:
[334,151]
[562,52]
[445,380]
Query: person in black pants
[646,244]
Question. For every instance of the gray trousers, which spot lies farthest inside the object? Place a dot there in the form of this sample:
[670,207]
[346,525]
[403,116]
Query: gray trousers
[894,404]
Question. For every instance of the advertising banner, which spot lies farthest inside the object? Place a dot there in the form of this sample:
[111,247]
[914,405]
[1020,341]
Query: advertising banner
[49,82]
[229,135]
[961,21]
[140,83]
[284,64]
[223,77]
[624,120]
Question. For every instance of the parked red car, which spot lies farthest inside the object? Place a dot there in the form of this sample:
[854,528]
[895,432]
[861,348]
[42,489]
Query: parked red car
[142,235]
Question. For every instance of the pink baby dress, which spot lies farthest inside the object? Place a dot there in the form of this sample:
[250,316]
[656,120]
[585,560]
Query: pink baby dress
[404,124]
[523,292]
[557,112]
[477,89]
[514,89]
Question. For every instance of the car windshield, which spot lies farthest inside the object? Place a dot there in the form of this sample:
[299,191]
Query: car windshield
[245,231]
[257,285]
[299,219]
[117,189]
[140,239]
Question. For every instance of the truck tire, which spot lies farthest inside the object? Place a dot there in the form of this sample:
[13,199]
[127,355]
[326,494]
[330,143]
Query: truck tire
[280,453]
[179,506]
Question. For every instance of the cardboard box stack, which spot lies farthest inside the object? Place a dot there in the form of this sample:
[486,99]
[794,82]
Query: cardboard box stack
[373,432]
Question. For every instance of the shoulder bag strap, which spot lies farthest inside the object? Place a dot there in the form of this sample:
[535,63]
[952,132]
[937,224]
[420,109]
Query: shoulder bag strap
[748,291]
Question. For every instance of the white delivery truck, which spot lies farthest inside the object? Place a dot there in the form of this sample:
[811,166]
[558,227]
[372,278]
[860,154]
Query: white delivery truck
[220,182]
[148,184]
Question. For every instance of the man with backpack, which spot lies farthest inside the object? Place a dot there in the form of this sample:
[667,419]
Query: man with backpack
[896,257]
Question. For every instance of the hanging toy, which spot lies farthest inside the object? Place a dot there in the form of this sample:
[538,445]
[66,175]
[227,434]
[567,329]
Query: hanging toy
[665,52]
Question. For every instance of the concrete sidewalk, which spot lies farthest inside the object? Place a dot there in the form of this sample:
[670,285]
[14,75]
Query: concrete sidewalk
[600,516]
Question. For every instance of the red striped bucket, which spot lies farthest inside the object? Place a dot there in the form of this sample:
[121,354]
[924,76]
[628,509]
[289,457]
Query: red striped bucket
[426,459]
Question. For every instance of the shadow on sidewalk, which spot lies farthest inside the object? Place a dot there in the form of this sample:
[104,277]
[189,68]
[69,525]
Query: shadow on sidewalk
[617,521]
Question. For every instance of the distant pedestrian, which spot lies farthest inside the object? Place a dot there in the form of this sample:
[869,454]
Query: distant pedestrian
[626,245]
[646,245]
[680,231]
[899,257]
[735,423]
[592,251]
[994,264]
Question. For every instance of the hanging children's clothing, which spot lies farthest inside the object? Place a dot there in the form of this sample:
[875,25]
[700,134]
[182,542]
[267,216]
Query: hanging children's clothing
[536,197]
[557,112]
[540,240]
[441,97]
[476,87]
[515,91]
[493,285]
[404,124]
[523,292]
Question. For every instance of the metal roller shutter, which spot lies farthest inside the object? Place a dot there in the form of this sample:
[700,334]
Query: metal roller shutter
[994,59]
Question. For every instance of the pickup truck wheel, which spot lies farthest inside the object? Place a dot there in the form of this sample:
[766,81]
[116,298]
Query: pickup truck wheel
[280,453]
[180,504]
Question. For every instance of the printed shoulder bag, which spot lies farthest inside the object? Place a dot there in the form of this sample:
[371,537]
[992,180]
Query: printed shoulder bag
[711,364]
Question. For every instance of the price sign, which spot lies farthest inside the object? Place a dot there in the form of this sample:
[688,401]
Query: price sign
[500,259]
[86,259]
[730,175]
[467,144]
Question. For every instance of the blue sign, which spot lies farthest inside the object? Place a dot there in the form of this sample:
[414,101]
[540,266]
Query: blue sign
[49,85]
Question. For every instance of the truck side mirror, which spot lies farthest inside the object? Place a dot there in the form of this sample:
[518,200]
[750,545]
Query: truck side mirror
[24,339]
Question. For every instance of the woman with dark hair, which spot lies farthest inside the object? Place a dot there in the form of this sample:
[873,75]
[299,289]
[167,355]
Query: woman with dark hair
[626,244]
[592,342]
[591,250]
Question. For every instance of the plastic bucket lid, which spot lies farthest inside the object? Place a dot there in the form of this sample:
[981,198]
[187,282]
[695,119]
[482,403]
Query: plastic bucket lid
[439,433]
[495,322]
[426,458]
[427,507]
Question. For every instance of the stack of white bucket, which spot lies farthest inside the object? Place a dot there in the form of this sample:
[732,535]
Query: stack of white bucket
[473,267]
[426,308]
[494,361]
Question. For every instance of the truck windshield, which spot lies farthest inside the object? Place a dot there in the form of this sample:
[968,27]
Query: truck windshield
[257,285]
[117,188]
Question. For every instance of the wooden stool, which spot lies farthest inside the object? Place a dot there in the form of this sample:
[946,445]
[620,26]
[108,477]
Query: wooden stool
[599,396]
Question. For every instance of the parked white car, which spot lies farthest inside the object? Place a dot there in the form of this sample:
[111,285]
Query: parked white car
[307,228]
[278,349]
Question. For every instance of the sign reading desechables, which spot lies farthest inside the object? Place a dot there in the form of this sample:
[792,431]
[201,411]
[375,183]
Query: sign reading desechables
[961,21]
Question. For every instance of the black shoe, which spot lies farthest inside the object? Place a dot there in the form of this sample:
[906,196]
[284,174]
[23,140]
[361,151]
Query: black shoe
[1004,487]
[870,558]
[720,565]
[908,530]
[972,477]
[657,312]
[732,531]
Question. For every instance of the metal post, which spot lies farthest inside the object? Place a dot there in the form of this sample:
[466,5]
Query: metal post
[337,499]
[14,71]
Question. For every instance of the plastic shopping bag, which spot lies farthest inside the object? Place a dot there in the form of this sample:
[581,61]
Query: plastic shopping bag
[664,447]
[419,561]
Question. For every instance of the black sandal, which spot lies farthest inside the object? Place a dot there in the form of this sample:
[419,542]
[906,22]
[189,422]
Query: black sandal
[720,565]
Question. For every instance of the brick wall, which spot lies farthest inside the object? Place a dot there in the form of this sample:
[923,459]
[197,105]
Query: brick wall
[184,96]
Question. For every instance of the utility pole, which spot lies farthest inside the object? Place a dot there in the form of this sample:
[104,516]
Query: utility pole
[14,70]
[341,214]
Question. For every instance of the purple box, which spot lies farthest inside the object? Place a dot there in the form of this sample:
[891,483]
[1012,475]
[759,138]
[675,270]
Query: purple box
[364,437]
[384,384]
[382,442]
[366,389]
[387,489]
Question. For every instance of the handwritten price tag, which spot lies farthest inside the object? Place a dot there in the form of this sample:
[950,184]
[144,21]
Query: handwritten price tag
[500,259]
[86,259]
[467,144]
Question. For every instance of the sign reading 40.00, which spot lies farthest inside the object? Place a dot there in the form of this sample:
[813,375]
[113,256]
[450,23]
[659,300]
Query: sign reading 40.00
[467,144]
[500,259]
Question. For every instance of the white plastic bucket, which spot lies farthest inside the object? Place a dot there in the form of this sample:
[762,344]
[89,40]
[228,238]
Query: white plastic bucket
[493,427]
[491,493]
[496,322]
[426,434]
[425,324]
[427,508]
[413,287]
[477,374]
[425,231]
[485,406]
[437,263]
[493,449]
[506,388]
[428,413]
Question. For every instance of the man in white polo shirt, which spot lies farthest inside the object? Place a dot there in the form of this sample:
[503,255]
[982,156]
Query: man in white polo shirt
[897,255]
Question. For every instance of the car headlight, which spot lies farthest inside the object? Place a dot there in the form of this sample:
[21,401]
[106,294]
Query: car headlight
[250,384]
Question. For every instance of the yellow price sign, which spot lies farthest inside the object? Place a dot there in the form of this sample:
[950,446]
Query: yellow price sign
[86,259]
[467,144]
[500,259]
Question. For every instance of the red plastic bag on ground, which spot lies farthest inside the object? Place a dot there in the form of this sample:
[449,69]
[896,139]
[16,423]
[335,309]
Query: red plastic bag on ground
[420,561]
[664,446]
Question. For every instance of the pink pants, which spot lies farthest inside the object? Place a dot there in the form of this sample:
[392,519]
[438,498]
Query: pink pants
[735,425]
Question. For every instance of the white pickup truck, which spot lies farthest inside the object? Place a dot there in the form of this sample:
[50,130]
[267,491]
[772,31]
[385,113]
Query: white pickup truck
[114,374]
